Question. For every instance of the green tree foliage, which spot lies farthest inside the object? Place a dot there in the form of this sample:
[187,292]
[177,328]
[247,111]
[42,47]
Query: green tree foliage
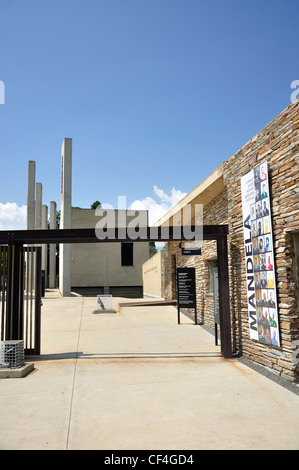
[96,204]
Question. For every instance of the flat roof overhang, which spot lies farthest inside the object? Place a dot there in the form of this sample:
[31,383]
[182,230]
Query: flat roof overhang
[203,194]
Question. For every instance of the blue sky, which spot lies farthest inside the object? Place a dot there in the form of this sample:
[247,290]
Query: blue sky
[154,93]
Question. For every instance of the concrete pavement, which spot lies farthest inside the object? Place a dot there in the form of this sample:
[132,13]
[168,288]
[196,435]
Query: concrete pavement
[136,379]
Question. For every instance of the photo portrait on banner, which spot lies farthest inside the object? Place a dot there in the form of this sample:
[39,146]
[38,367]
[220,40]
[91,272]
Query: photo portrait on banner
[259,256]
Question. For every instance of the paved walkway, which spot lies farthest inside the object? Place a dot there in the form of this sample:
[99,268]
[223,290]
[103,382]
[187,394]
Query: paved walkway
[136,379]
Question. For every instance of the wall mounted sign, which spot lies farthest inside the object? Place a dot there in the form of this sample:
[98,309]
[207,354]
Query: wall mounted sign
[192,248]
[216,303]
[216,296]
[191,251]
[186,289]
[259,256]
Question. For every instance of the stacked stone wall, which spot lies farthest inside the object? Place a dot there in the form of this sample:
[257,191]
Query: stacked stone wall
[278,144]
[214,214]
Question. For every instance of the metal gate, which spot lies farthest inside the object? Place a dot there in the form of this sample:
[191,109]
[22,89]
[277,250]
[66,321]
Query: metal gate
[19,238]
[20,295]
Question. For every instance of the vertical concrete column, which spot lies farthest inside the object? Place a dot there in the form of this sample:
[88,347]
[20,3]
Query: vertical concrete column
[44,225]
[65,216]
[30,217]
[31,196]
[38,212]
[38,206]
[52,254]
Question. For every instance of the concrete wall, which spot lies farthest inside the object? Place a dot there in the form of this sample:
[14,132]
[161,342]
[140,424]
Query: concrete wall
[152,275]
[278,144]
[99,265]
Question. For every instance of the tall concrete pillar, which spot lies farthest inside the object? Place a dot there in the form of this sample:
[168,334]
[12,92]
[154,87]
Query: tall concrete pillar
[38,206]
[52,254]
[31,196]
[30,218]
[65,216]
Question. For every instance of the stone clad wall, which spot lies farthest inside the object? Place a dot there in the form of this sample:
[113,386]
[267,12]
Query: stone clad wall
[214,214]
[278,144]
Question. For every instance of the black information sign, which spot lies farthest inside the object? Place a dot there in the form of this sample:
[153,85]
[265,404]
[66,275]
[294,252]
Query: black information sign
[186,289]
[216,295]
[191,251]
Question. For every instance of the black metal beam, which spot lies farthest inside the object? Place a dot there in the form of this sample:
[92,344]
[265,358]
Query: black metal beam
[38,294]
[16,238]
[89,235]
[224,298]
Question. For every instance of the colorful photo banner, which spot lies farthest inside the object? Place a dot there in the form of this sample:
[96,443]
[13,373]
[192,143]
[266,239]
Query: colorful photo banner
[259,256]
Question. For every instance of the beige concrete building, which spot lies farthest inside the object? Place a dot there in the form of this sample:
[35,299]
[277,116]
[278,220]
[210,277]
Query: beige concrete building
[152,275]
[113,267]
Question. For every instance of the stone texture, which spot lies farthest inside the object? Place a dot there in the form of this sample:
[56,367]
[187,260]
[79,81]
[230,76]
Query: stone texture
[278,144]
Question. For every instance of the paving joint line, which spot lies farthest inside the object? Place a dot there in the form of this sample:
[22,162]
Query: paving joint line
[74,377]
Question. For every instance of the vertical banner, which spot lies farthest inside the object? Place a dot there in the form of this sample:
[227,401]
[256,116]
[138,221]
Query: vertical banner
[259,259]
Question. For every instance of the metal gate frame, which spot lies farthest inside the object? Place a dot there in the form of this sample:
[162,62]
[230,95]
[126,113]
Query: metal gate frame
[219,233]
[20,295]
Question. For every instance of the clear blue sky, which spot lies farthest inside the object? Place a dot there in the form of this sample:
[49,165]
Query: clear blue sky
[152,92]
